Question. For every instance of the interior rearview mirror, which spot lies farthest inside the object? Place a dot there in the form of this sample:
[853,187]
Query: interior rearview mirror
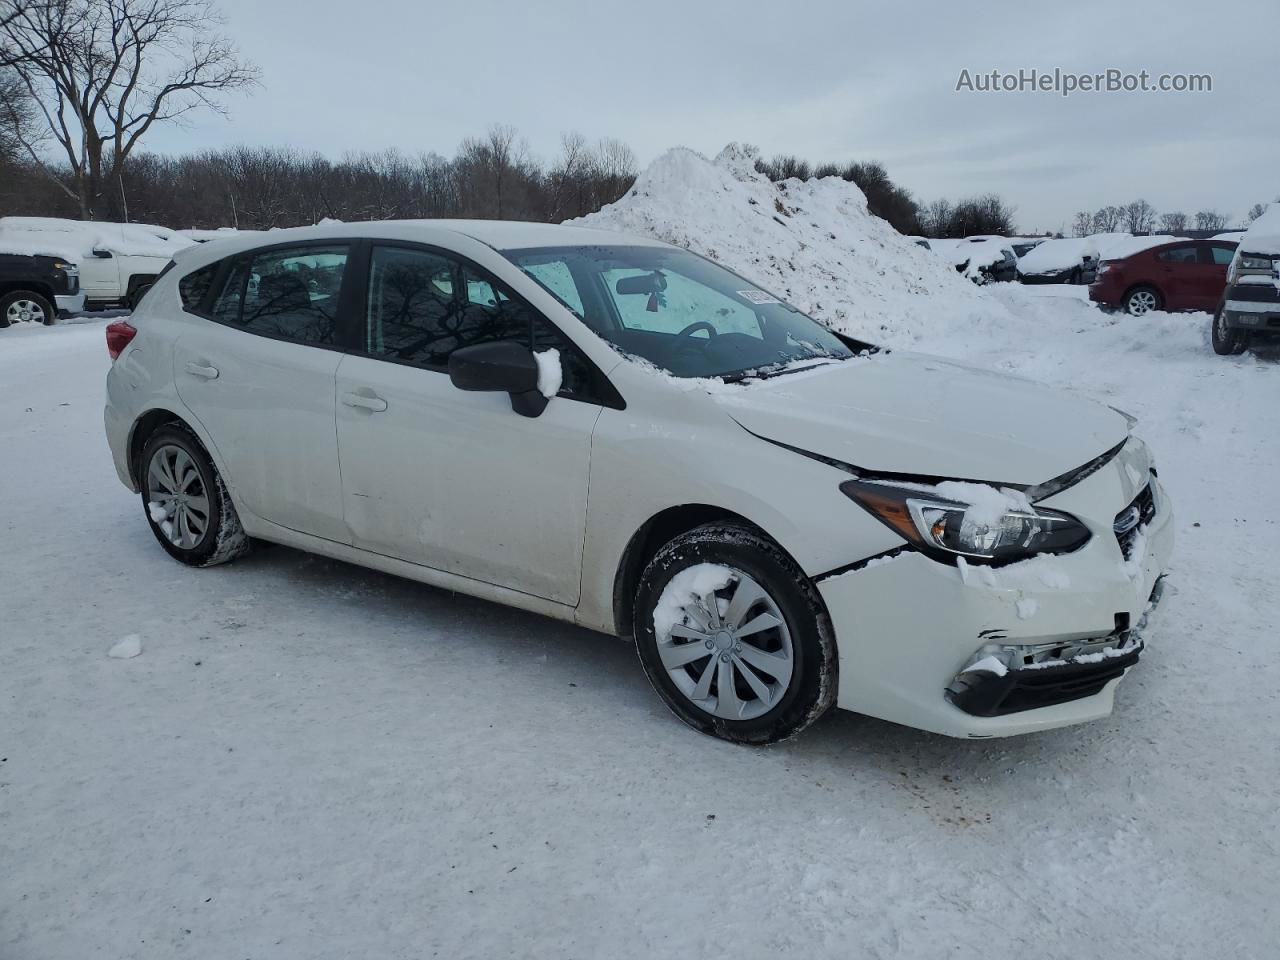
[502,366]
[646,283]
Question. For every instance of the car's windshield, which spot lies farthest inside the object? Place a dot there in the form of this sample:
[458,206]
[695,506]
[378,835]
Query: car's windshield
[679,311]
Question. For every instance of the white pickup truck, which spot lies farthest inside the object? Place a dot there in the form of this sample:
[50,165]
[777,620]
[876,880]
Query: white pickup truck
[118,261]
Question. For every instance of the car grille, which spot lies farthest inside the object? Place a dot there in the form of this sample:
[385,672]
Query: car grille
[1132,519]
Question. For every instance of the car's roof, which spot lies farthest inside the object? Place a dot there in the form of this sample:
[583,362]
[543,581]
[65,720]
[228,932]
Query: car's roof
[499,234]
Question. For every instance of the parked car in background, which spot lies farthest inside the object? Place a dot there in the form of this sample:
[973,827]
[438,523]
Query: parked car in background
[1075,259]
[37,289]
[118,261]
[1182,275]
[437,404]
[979,259]
[1250,307]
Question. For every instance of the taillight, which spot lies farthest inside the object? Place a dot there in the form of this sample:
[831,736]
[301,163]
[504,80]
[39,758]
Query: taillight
[119,335]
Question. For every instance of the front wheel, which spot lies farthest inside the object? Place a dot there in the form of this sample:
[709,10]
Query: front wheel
[1226,341]
[187,504]
[734,637]
[23,306]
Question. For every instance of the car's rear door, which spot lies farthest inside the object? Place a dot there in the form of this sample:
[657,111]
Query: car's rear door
[450,479]
[258,371]
[1180,275]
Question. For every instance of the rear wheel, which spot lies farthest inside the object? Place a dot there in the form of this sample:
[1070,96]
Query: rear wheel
[25,306]
[186,503]
[1142,300]
[734,637]
[1226,341]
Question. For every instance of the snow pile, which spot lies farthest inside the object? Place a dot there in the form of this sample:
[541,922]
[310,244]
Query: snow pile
[1263,235]
[127,648]
[811,242]
[75,240]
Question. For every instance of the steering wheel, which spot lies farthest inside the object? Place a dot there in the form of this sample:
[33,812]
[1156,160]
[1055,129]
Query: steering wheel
[696,326]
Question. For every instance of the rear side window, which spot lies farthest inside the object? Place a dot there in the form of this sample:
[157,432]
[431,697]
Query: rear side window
[1222,255]
[194,287]
[1178,255]
[290,293]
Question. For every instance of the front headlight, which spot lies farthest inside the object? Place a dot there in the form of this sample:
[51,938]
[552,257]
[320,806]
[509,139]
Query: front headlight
[991,531]
[70,269]
[1255,263]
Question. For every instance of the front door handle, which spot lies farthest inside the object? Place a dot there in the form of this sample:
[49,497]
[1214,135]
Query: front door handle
[204,370]
[364,401]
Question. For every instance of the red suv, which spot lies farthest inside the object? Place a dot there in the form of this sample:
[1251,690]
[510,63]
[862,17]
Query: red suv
[1184,275]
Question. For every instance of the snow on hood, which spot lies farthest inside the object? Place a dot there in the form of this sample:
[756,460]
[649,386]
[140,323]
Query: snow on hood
[901,412]
[1263,235]
[812,242]
[75,240]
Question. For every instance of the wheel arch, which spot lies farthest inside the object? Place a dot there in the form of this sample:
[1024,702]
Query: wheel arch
[652,535]
[27,286]
[147,424]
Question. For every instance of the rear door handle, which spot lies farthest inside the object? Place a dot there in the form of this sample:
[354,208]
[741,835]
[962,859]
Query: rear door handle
[364,401]
[204,370]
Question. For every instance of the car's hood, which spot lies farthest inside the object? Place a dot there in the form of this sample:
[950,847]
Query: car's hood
[907,413]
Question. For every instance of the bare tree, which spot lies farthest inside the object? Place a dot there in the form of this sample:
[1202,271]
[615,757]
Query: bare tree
[1107,219]
[1082,225]
[103,72]
[1173,222]
[1138,216]
[1210,220]
[1257,210]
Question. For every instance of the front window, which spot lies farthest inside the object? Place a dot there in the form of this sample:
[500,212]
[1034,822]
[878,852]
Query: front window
[679,311]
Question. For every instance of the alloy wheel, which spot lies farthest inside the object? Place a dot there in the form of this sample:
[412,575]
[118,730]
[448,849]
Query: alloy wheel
[1141,301]
[25,311]
[176,497]
[730,651]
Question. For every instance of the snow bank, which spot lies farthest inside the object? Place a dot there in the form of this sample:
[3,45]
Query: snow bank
[1263,235]
[811,242]
[75,240]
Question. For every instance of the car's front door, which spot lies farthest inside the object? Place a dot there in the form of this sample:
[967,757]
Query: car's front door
[454,480]
[258,371]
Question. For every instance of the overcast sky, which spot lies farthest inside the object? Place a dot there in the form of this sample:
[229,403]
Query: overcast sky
[826,80]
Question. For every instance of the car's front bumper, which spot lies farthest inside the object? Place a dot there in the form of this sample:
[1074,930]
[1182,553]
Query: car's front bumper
[69,304]
[909,627]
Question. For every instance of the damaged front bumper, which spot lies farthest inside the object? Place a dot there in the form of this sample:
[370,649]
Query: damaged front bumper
[912,631]
[1010,678]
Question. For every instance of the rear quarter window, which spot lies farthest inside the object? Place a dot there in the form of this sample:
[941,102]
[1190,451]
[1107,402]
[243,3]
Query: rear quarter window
[194,287]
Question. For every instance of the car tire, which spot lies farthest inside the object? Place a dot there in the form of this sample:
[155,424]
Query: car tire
[12,305]
[1142,300]
[185,501]
[788,632]
[1227,342]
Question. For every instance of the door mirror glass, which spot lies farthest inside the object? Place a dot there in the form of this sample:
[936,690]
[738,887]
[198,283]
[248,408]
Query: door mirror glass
[502,366]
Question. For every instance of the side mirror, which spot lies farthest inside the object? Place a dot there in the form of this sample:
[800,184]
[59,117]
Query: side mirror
[503,366]
[102,254]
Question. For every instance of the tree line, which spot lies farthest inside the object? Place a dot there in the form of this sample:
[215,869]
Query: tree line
[492,176]
[1139,216]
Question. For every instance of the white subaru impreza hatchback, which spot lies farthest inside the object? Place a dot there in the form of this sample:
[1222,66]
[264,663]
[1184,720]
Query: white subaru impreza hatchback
[627,436]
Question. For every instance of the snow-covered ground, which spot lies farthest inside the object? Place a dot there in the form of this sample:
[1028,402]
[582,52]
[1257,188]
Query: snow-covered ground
[311,760]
